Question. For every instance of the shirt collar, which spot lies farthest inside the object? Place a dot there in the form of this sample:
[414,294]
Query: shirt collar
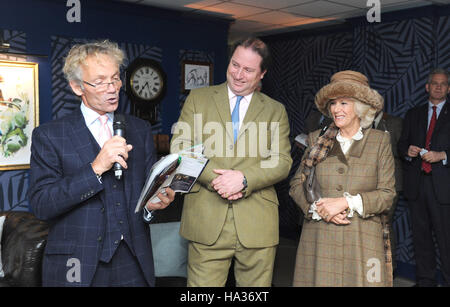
[356,137]
[439,106]
[232,95]
[90,116]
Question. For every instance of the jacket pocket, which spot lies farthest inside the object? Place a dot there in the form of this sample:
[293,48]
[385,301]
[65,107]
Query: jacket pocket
[270,195]
[60,247]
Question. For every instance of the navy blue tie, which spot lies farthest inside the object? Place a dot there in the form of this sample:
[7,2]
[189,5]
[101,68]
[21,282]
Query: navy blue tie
[235,117]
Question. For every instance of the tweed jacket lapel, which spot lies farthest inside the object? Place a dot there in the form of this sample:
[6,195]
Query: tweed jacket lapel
[221,101]
[255,107]
[358,146]
[355,150]
[336,151]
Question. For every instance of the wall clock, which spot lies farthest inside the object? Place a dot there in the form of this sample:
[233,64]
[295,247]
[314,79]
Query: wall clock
[145,82]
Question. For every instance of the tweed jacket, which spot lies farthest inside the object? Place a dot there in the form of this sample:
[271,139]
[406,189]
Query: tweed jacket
[65,191]
[348,255]
[262,153]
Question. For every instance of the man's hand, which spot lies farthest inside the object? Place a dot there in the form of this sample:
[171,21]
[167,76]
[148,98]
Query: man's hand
[236,196]
[434,156]
[166,199]
[114,150]
[413,151]
[229,183]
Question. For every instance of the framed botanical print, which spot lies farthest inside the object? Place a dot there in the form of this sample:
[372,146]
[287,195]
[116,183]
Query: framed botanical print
[19,112]
[195,75]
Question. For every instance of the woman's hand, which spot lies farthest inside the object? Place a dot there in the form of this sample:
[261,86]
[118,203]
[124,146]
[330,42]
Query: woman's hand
[340,219]
[329,208]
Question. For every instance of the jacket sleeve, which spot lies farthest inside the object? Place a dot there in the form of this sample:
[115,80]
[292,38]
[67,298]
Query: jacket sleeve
[297,191]
[380,200]
[52,192]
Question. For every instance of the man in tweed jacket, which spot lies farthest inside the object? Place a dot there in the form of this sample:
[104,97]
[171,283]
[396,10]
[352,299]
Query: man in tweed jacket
[233,209]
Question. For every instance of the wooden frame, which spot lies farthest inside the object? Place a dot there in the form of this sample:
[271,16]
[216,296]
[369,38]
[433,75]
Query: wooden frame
[19,112]
[195,74]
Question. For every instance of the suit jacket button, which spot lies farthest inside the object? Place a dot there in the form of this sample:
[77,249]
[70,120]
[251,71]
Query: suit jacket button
[102,209]
[341,170]
[231,146]
[99,238]
[339,188]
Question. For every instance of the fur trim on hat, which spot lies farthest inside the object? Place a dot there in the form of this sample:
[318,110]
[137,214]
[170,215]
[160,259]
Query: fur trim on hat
[348,84]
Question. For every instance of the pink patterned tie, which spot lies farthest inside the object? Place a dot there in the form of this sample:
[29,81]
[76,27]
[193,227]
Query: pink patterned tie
[104,133]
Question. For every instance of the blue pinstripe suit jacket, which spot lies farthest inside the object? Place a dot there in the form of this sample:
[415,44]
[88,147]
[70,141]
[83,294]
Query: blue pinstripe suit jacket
[65,192]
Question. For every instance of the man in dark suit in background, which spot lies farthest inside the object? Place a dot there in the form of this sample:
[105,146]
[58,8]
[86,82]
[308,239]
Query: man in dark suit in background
[425,144]
[95,238]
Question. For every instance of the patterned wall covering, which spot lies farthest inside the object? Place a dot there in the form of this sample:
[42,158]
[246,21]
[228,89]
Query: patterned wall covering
[14,184]
[396,56]
[63,99]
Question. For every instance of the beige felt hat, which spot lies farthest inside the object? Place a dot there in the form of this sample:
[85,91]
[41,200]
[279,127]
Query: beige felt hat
[348,83]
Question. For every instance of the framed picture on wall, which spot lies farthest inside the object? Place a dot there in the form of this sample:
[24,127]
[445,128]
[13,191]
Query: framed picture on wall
[19,112]
[195,75]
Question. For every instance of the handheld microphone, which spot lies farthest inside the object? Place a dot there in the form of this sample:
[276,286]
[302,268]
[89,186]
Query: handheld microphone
[119,129]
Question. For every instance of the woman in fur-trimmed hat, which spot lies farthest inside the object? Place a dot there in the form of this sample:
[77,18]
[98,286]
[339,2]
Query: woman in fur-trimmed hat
[345,238]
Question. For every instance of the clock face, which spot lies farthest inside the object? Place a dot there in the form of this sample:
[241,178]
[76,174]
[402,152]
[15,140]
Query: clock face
[146,83]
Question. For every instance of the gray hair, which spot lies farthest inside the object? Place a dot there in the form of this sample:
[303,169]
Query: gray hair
[438,71]
[78,54]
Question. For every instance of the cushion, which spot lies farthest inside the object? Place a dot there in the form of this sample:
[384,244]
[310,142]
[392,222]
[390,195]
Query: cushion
[169,250]
[2,221]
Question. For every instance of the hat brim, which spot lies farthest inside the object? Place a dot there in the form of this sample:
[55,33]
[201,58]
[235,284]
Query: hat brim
[340,89]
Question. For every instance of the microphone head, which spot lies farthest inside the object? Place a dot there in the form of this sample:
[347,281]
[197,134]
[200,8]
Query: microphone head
[119,121]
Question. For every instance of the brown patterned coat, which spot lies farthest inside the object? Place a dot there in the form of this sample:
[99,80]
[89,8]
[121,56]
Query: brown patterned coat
[348,255]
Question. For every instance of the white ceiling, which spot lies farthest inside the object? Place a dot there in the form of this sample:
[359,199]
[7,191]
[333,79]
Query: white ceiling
[263,17]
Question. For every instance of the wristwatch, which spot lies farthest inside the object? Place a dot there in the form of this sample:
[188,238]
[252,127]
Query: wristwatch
[244,182]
